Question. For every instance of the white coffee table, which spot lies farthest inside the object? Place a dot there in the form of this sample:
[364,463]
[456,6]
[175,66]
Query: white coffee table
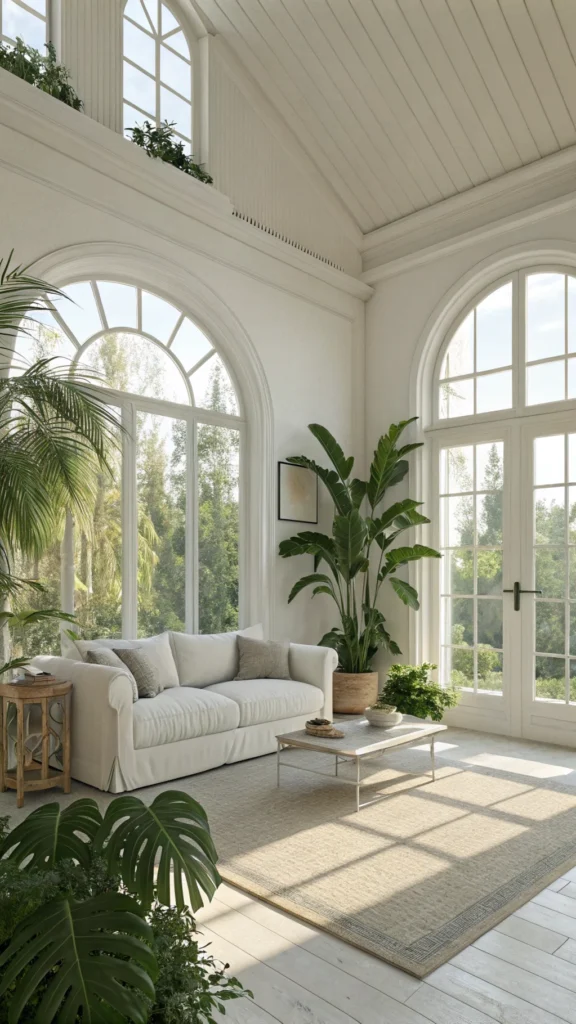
[360,742]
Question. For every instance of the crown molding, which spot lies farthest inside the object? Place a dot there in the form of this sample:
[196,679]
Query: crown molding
[521,196]
[92,164]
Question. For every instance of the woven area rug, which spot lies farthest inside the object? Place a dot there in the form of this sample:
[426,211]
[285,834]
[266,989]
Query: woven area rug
[413,878]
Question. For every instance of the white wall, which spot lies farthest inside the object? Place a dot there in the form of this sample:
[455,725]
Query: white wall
[297,321]
[251,153]
[399,318]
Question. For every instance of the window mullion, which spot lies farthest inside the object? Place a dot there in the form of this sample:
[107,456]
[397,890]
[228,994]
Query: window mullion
[129,493]
[191,544]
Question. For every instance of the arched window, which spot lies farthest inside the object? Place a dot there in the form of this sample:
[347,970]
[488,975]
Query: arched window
[24,19]
[503,436]
[159,548]
[157,68]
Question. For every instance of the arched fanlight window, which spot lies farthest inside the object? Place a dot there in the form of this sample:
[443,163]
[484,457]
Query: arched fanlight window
[24,19]
[157,68]
[161,546]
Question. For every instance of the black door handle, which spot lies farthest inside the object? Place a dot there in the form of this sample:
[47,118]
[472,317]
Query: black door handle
[517,590]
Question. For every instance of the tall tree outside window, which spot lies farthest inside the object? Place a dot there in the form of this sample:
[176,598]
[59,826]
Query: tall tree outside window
[172,496]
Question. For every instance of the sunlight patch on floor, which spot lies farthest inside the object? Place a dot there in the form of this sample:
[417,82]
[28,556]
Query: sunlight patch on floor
[518,765]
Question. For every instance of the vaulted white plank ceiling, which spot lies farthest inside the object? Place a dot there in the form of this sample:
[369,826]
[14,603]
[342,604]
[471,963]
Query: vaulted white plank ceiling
[402,103]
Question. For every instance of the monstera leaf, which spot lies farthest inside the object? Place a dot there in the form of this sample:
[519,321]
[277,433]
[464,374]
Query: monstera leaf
[173,829]
[51,834]
[89,958]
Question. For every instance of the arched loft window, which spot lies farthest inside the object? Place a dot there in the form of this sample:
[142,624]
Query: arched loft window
[160,546]
[157,68]
[26,19]
[502,616]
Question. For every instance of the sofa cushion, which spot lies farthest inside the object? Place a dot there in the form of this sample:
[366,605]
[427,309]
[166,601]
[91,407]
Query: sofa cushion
[103,656]
[182,714]
[269,700]
[262,659]
[206,658]
[156,648]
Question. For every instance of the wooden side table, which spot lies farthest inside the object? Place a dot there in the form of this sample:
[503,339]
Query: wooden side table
[21,778]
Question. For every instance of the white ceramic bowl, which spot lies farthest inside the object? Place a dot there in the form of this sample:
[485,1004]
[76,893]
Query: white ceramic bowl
[382,719]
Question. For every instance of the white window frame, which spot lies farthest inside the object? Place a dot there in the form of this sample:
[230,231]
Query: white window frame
[48,19]
[195,77]
[497,713]
[129,404]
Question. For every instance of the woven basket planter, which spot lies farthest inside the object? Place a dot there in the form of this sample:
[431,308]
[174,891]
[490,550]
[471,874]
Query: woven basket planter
[354,691]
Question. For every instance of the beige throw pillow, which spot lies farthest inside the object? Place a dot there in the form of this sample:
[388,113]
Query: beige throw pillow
[262,659]
[103,656]
[144,671]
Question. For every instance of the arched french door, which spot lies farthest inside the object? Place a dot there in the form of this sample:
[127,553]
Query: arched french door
[503,472]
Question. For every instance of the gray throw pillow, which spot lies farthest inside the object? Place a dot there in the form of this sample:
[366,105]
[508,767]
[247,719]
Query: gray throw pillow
[104,656]
[144,672]
[262,659]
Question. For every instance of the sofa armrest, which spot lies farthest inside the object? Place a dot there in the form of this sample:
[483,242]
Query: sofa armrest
[102,735]
[314,665]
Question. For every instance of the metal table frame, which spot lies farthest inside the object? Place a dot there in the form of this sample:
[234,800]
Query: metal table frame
[358,758]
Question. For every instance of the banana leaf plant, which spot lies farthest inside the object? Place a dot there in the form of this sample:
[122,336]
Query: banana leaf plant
[362,554]
[92,958]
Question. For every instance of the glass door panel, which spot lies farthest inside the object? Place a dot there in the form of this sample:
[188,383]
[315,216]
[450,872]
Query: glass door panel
[548,616]
[554,548]
[471,541]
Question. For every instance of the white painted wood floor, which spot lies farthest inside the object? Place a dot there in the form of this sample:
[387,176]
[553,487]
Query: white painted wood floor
[522,972]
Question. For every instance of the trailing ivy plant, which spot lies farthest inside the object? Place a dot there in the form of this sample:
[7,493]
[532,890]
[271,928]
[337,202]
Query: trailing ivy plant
[88,931]
[360,555]
[42,71]
[159,142]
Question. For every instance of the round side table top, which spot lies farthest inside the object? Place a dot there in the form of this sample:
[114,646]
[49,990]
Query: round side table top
[31,691]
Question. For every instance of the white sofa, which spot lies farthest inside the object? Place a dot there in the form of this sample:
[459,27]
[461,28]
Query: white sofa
[202,719]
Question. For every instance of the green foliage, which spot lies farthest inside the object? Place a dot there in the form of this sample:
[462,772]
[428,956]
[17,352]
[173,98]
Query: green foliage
[191,984]
[174,827]
[85,935]
[43,72]
[54,428]
[409,688]
[356,554]
[84,955]
[159,142]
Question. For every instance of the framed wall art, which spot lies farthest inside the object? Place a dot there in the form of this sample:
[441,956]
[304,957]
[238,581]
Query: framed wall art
[297,494]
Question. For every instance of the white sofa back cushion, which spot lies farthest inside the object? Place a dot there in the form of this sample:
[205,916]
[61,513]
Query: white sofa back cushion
[156,648]
[203,659]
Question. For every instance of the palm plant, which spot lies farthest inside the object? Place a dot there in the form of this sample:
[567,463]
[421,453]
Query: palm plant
[90,958]
[55,430]
[356,578]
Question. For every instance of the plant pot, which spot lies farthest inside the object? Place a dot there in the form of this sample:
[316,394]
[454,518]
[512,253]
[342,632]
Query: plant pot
[381,719]
[353,691]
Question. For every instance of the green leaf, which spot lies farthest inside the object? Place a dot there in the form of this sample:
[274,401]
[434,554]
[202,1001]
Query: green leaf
[358,490]
[51,834]
[310,543]
[13,663]
[338,491]
[174,826]
[308,581]
[388,467]
[349,533]
[406,593]
[90,959]
[342,465]
[399,508]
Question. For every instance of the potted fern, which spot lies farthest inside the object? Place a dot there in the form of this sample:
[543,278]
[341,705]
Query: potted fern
[353,563]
